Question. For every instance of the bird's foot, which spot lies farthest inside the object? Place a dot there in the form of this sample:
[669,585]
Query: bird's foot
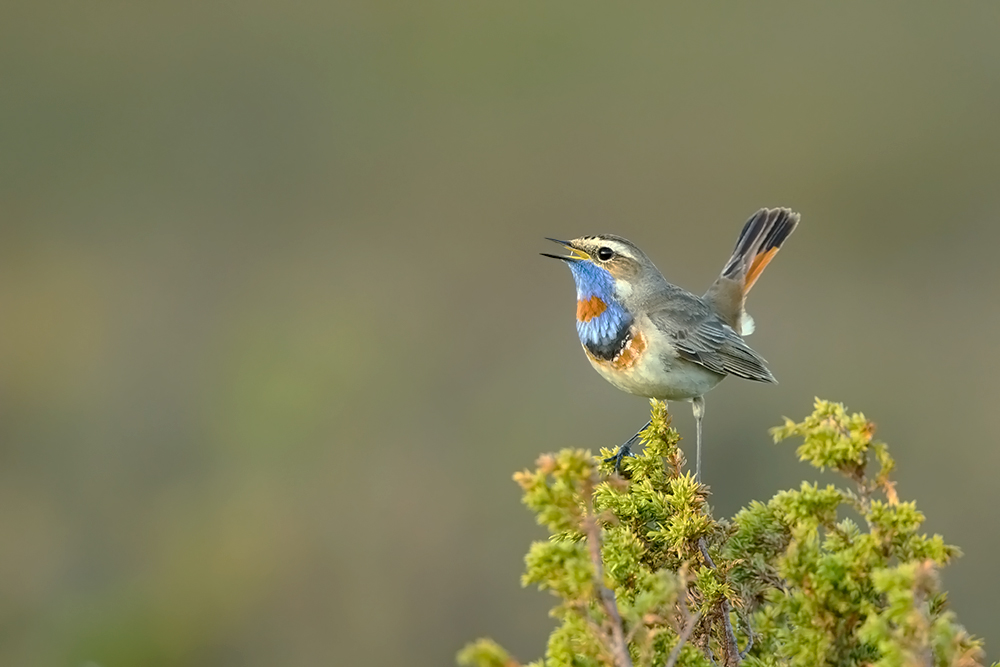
[623,451]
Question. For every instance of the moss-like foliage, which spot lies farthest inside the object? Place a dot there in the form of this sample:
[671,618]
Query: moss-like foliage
[645,575]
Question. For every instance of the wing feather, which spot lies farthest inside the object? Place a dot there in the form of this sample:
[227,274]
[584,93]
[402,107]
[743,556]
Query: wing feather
[700,336]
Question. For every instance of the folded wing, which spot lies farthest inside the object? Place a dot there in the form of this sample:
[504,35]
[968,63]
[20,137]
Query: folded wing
[699,335]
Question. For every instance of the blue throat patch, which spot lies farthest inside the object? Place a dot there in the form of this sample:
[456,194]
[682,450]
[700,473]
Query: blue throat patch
[604,335]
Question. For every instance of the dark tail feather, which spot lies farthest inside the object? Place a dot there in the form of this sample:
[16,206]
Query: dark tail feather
[758,243]
[752,232]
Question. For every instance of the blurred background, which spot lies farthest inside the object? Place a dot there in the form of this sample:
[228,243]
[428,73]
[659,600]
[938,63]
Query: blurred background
[274,331]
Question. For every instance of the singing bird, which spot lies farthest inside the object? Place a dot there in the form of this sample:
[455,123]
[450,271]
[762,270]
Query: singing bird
[651,338]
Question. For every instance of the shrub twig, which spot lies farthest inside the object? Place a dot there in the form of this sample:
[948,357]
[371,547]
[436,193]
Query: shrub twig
[619,648]
[731,651]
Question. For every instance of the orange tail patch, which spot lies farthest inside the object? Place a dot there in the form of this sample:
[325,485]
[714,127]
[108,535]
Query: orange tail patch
[760,240]
[757,267]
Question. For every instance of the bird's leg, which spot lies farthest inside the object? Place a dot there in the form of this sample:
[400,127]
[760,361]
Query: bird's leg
[698,408]
[625,449]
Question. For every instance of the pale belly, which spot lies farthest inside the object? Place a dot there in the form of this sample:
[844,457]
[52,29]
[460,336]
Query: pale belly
[656,374]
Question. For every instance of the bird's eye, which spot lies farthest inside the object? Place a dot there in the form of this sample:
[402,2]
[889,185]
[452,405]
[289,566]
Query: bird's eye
[605,253]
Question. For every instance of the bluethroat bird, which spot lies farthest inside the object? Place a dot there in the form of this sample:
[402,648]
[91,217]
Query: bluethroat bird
[654,339]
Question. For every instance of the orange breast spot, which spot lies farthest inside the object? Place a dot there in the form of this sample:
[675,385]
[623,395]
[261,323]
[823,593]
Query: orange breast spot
[589,309]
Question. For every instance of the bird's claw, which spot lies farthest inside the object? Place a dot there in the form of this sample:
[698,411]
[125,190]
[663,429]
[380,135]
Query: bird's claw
[623,451]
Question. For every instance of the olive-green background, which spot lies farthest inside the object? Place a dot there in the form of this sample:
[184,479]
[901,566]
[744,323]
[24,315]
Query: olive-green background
[274,331]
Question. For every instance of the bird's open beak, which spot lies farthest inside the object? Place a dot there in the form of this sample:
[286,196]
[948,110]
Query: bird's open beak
[576,255]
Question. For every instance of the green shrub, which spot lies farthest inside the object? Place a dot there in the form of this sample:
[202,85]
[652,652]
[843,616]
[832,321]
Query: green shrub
[645,575]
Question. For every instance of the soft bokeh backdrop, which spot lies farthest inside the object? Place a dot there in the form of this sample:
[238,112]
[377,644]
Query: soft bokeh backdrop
[274,332]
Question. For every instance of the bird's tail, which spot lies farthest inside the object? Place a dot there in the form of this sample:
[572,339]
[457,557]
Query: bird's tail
[759,242]
[757,245]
